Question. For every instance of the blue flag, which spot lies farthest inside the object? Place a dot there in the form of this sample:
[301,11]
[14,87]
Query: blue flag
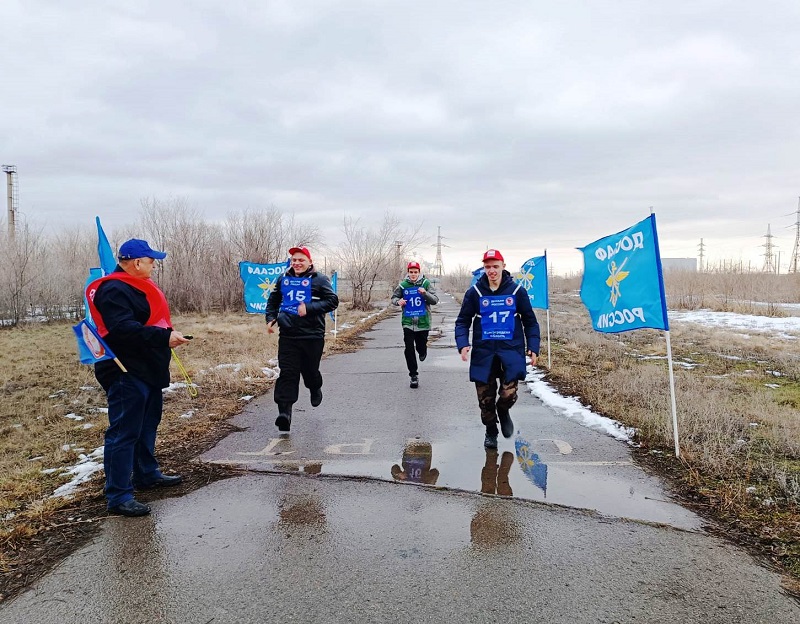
[108,262]
[476,275]
[533,277]
[335,286]
[259,281]
[94,273]
[91,347]
[623,286]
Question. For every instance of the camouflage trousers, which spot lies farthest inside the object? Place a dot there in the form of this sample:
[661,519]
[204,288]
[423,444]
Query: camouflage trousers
[489,397]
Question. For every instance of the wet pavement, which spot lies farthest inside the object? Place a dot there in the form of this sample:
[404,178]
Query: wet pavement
[371,424]
[380,519]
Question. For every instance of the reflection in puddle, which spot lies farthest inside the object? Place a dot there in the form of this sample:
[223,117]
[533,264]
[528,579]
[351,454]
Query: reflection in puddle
[494,478]
[530,464]
[416,464]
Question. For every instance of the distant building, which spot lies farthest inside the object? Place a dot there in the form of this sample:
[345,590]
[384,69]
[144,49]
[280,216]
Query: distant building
[679,264]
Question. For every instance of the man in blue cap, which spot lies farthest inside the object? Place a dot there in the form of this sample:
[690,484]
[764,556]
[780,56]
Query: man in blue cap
[132,315]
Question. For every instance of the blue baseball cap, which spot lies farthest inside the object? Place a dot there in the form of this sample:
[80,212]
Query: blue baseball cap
[136,248]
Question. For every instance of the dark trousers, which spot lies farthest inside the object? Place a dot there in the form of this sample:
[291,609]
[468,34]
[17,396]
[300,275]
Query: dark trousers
[414,339]
[489,397]
[297,357]
[134,412]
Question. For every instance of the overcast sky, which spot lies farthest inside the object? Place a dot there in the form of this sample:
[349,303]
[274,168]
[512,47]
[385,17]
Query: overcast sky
[517,125]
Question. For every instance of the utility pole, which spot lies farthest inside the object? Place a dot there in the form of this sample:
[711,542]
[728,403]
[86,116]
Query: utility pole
[398,249]
[769,252]
[13,198]
[702,249]
[438,267]
[796,250]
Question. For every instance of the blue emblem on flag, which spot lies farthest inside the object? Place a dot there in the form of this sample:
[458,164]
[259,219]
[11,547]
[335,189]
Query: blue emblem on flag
[533,277]
[259,281]
[91,347]
[623,286]
[476,275]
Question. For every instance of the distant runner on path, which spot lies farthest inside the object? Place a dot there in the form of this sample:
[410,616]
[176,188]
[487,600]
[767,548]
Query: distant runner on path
[502,320]
[298,305]
[415,295]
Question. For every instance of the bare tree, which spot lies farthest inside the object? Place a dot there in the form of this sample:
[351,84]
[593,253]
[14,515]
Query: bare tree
[458,280]
[369,255]
[19,270]
[266,235]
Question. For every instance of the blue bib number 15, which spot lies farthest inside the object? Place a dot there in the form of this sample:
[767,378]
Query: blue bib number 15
[295,290]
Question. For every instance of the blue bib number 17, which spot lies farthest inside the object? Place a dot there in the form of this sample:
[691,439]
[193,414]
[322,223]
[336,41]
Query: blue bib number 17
[497,317]
[415,304]
[295,290]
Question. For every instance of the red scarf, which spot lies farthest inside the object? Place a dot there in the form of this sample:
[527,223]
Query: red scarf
[159,310]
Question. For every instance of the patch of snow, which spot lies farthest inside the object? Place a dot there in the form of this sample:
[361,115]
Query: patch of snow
[773,386]
[86,426]
[247,397]
[787,328]
[37,458]
[188,414]
[88,387]
[572,408]
[236,367]
[73,417]
[177,385]
[57,394]
[270,373]
[81,472]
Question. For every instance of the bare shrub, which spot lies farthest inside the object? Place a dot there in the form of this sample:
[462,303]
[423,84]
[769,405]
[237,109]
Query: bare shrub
[370,255]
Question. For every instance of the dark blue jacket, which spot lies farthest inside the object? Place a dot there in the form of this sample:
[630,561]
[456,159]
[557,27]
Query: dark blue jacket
[511,352]
[144,350]
[312,325]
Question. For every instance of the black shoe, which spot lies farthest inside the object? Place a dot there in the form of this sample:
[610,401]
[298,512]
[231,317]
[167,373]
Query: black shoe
[422,356]
[131,508]
[316,397]
[506,424]
[490,441]
[283,422]
[162,481]
[414,382]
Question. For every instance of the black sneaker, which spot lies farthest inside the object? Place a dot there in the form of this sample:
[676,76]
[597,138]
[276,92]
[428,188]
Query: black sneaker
[422,356]
[283,422]
[506,424]
[316,397]
[414,382]
[490,441]
[131,508]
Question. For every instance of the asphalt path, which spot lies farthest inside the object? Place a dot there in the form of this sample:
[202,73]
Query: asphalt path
[381,505]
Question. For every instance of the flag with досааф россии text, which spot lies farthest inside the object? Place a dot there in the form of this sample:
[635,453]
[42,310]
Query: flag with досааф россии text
[259,281]
[623,285]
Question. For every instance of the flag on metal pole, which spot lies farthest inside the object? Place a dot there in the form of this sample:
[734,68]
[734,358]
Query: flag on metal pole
[623,289]
[623,286]
[533,277]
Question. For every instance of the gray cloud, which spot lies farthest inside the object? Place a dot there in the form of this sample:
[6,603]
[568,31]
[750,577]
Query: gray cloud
[509,125]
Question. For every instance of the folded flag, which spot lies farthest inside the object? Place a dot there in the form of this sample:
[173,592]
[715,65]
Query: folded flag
[91,347]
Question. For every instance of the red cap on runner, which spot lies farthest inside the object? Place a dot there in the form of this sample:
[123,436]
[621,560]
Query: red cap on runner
[302,250]
[493,254]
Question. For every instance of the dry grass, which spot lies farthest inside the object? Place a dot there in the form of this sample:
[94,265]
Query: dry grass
[41,382]
[740,438]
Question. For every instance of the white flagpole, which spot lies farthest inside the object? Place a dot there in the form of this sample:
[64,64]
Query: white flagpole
[547,278]
[672,396]
[549,363]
